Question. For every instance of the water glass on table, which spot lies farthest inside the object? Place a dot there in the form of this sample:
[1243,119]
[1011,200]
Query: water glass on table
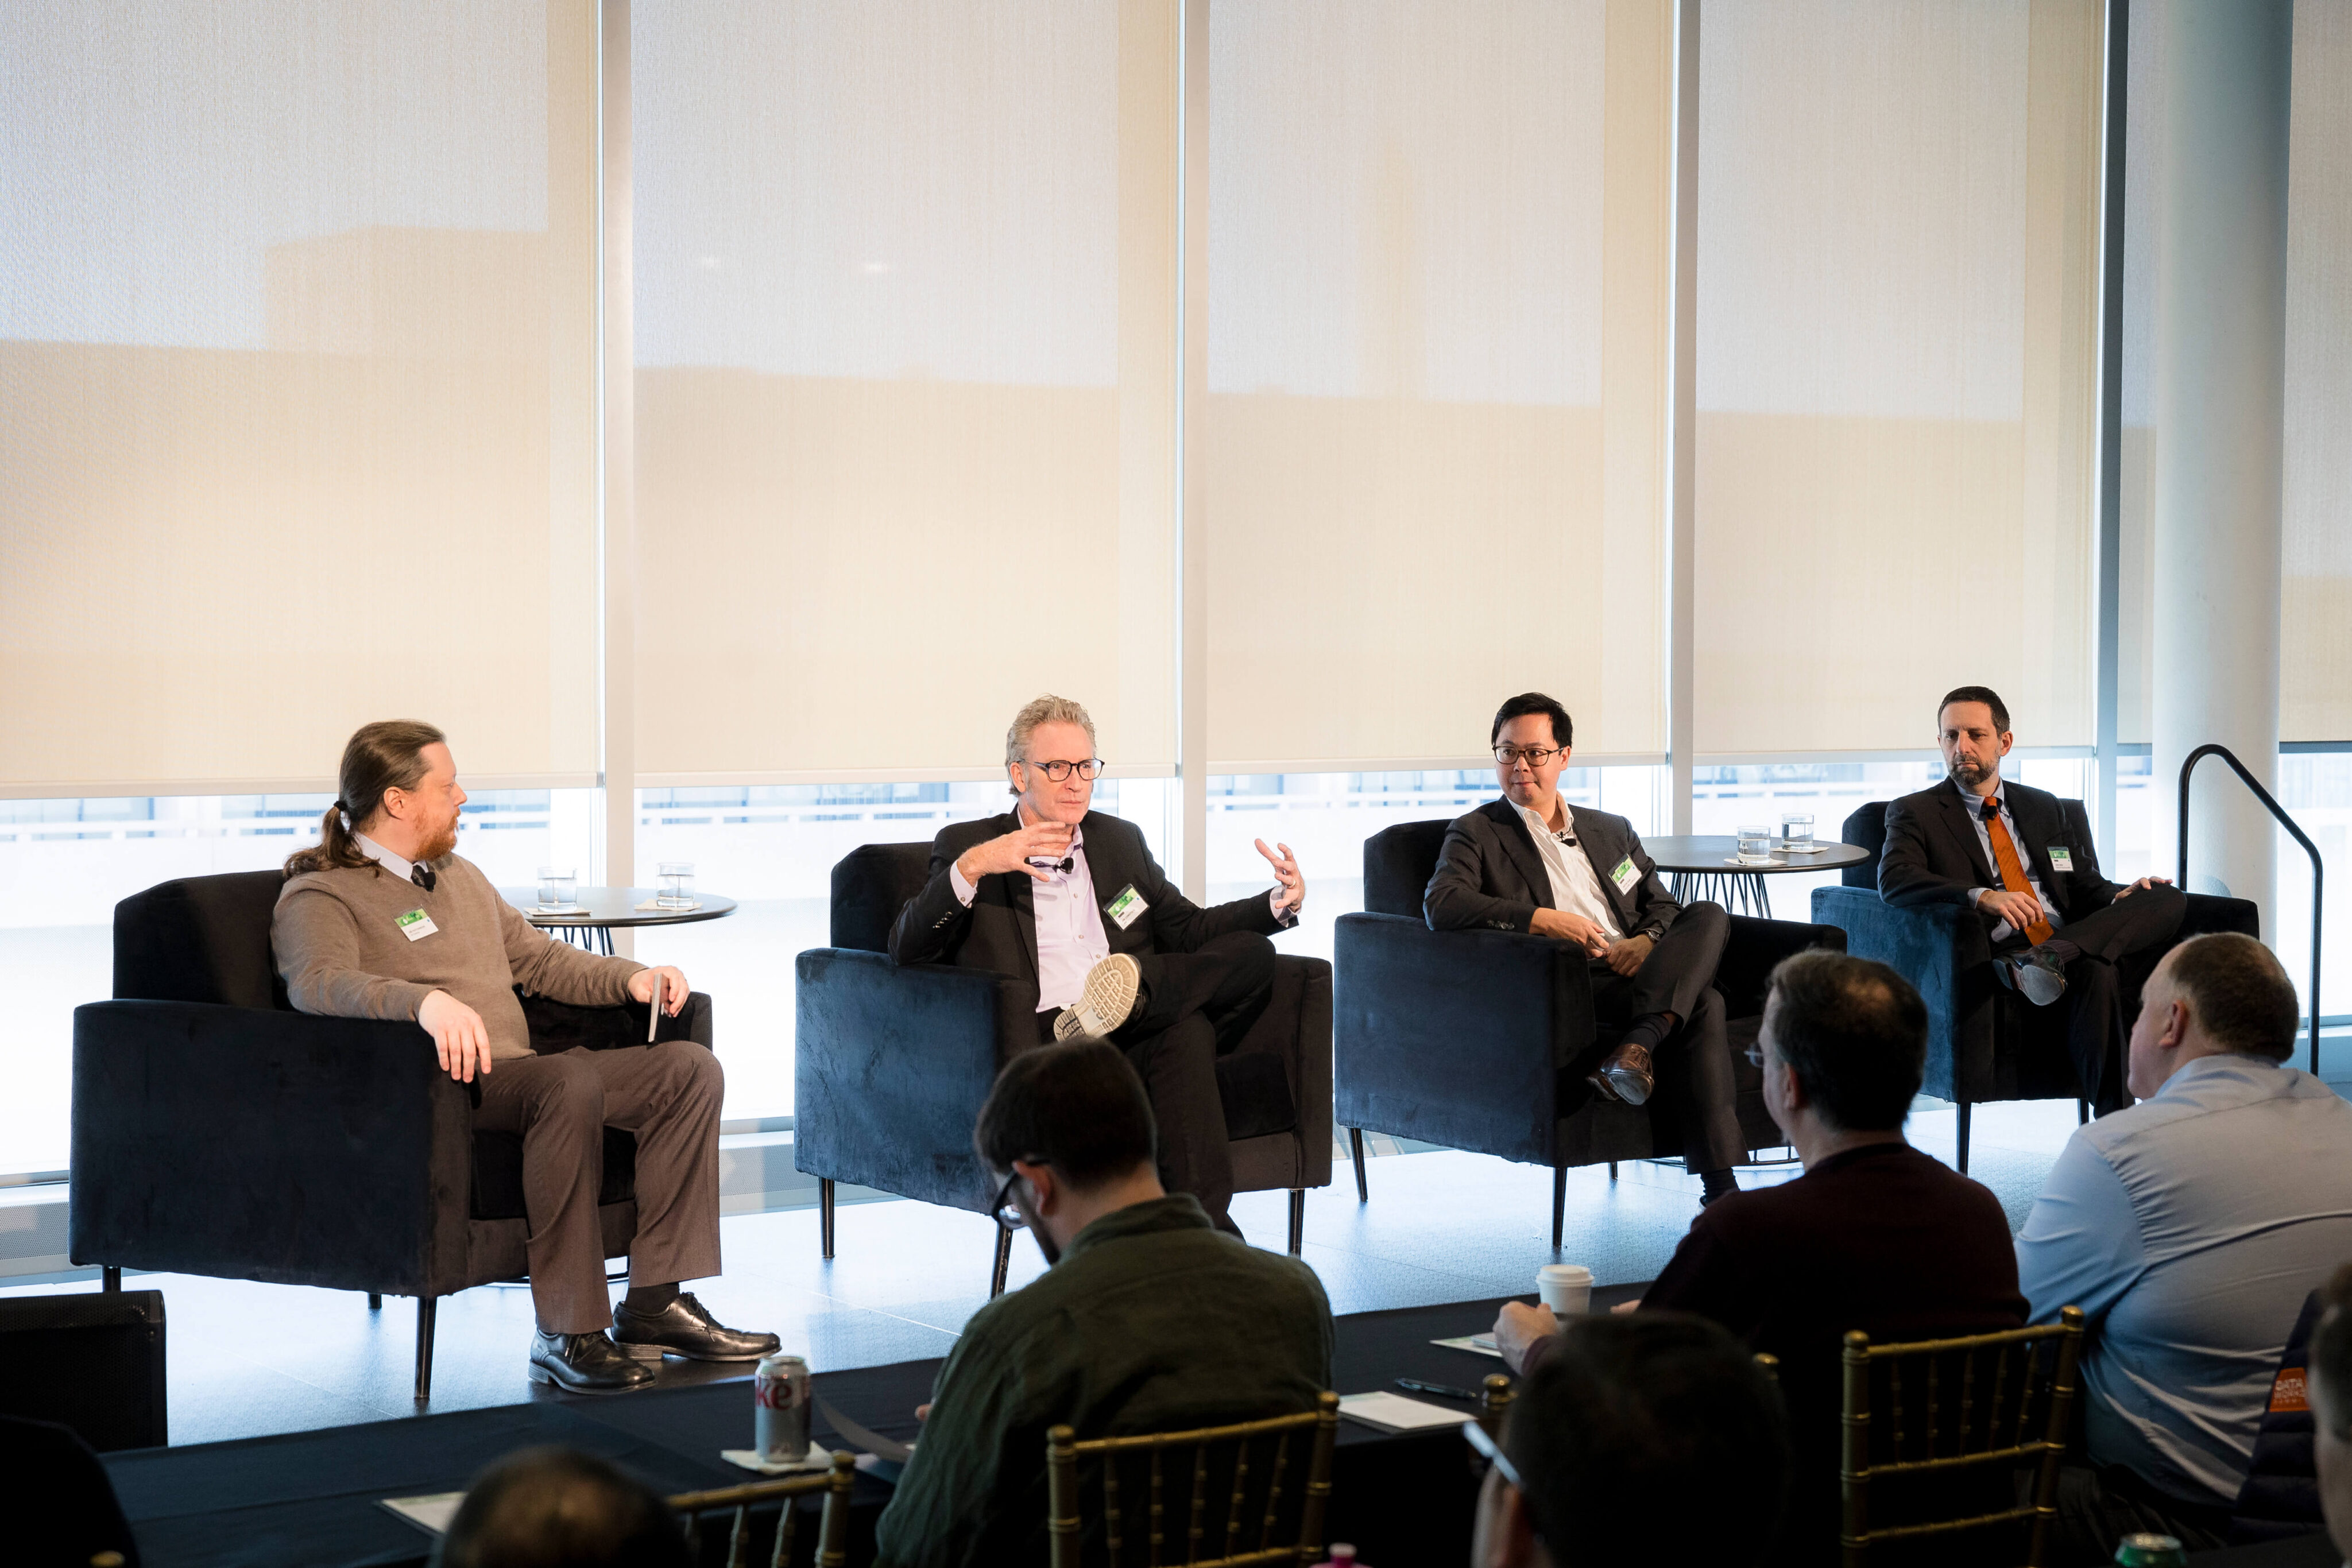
[1797,831]
[675,885]
[558,886]
[1756,845]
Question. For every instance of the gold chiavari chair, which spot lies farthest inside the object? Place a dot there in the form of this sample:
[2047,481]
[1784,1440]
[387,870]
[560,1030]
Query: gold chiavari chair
[1211,1448]
[833,1525]
[1986,1406]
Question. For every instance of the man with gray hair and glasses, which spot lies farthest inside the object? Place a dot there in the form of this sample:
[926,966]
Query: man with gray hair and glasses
[1068,904]
[2189,1227]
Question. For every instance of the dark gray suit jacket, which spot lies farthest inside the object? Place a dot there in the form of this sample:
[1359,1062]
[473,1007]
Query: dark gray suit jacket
[1932,855]
[1490,875]
[999,932]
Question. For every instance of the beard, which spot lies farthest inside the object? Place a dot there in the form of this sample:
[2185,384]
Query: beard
[1964,771]
[441,844]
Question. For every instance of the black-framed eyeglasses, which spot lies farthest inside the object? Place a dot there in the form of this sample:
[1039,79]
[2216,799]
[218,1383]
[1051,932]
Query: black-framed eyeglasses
[1090,768]
[1533,756]
[1008,1213]
[1487,1455]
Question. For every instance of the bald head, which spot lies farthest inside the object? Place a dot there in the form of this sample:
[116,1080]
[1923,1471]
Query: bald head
[2222,995]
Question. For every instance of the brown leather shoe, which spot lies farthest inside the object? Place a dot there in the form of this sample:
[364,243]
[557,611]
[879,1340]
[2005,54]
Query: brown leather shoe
[1624,1074]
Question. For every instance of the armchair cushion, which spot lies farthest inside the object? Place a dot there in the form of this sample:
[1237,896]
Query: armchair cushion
[1865,828]
[200,939]
[870,885]
[1398,864]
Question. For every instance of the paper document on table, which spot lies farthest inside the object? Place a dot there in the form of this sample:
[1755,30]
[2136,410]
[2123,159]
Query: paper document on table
[874,1443]
[1482,1343]
[430,1513]
[1395,1412]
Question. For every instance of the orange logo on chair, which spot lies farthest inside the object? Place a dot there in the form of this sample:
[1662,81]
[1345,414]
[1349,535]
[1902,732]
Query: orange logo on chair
[2286,1392]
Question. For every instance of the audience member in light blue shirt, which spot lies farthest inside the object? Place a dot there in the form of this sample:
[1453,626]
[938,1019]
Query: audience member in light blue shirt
[2188,1229]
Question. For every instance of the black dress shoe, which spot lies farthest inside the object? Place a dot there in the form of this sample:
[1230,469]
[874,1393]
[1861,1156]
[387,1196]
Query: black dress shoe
[683,1328]
[584,1364]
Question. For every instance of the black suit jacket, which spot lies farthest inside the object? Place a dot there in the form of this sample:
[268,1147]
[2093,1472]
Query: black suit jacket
[1932,855]
[999,932]
[1490,876]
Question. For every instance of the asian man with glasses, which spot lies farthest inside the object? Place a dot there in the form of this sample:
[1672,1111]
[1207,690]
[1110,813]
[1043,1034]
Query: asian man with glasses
[1530,861]
[1069,901]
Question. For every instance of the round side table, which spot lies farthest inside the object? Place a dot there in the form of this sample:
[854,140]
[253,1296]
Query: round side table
[602,908]
[1707,866]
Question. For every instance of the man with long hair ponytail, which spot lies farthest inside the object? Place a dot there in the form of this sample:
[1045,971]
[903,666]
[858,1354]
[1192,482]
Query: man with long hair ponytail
[383,919]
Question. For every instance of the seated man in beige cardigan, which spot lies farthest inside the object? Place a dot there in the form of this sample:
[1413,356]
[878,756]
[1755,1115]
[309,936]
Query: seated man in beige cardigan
[383,921]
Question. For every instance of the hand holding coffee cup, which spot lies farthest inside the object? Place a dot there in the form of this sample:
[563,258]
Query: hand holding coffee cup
[1565,1288]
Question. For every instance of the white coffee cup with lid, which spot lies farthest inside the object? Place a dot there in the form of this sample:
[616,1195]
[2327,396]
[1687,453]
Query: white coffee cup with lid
[1565,1288]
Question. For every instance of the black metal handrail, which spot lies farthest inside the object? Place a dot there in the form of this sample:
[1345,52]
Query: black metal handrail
[2279,812]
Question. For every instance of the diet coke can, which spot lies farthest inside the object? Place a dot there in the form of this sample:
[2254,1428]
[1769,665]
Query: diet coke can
[779,1411]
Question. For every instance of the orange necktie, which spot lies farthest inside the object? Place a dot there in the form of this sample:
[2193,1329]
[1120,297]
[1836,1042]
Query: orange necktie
[2012,870]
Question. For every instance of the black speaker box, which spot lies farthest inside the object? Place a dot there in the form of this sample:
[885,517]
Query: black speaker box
[93,1362]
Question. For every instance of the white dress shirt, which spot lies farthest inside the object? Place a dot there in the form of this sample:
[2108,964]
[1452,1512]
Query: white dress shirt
[1575,885]
[1974,802]
[2188,1229]
[385,857]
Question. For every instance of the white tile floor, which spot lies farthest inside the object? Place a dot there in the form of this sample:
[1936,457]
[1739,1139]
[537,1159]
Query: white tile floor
[245,1360]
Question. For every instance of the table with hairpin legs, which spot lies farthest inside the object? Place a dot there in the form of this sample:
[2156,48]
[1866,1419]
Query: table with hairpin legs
[1707,866]
[598,910]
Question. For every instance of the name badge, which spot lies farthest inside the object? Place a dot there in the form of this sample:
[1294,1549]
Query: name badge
[2062,859]
[1126,907]
[416,925]
[1625,875]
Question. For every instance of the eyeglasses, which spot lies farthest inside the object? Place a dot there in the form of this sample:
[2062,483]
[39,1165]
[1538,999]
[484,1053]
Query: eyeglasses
[1007,1212]
[1057,771]
[1755,1053]
[1533,756]
[1486,1454]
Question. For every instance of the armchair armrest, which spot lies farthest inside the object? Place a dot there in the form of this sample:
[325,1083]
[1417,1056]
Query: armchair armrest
[1455,1037]
[253,1143]
[1754,948]
[562,1026]
[1295,1028]
[2207,913]
[891,1064]
[1943,950]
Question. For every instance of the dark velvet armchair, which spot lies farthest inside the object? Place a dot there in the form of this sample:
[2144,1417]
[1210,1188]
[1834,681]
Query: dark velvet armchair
[1978,1049]
[1450,1036]
[892,1064]
[218,1131]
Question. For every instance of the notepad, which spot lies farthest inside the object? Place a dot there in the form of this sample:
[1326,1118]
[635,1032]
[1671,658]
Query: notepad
[1395,1412]
[430,1513]
[1481,1343]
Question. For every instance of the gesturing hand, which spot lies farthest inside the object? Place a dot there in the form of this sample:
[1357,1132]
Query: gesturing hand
[458,1035]
[664,986]
[1014,852]
[1293,896]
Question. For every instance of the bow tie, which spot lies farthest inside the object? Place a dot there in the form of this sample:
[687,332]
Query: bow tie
[420,877]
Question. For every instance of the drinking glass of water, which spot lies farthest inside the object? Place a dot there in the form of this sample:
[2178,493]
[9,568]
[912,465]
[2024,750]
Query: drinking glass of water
[676,884]
[1756,845]
[1797,831]
[557,887]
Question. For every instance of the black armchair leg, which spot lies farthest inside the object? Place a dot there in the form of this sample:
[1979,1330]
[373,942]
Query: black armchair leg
[2081,1112]
[375,1301]
[1963,1162]
[1004,1261]
[1356,1153]
[1559,1202]
[424,1305]
[1613,1170]
[825,1215]
[110,1279]
[1297,1219]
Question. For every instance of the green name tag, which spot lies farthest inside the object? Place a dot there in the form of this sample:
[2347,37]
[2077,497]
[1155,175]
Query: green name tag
[1124,909]
[416,925]
[1625,875]
[2062,859]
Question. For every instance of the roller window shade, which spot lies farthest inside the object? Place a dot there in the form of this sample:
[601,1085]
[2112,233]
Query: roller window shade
[1897,370]
[905,336]
[296,389]
[1430,461]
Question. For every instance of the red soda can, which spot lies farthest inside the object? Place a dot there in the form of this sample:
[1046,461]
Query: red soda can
[779,1411]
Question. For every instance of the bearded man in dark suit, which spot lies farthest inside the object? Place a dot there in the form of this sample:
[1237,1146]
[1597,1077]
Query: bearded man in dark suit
[1531,861]
[1069,901]
[2022,858]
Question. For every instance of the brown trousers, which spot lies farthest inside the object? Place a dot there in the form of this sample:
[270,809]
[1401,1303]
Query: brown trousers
[668,1095]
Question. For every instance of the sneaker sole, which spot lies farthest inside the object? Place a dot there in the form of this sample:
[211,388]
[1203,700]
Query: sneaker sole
[1108,999]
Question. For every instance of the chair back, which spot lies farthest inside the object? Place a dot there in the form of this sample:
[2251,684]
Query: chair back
[1981,1407]
[200,939]
[1865,828]
[1398,864]
[1259,1498]
[870,885]
[833,1525]
[2280,1496]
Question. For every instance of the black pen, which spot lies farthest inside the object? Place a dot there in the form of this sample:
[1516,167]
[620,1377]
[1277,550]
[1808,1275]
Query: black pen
[1443,1392]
